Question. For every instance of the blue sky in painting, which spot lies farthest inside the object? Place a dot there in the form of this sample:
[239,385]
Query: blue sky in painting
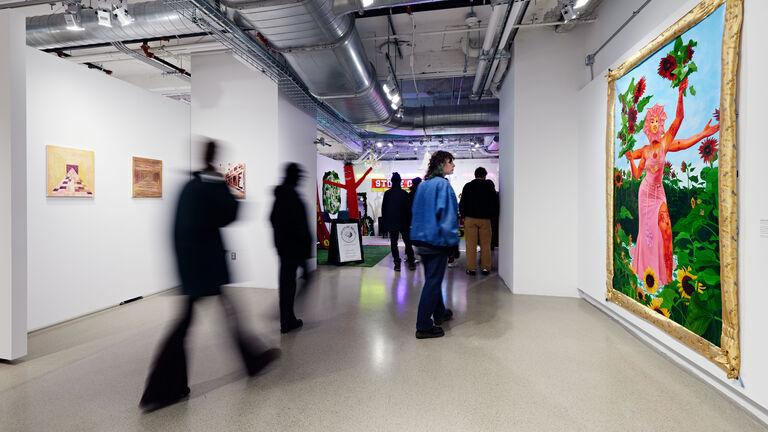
[699,109]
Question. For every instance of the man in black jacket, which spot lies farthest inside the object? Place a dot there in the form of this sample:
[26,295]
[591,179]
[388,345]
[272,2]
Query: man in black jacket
[479,203]
[204,207]
[293,241]
[396,212]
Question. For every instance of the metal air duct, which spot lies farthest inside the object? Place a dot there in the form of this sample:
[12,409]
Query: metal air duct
[152,19]
[478,118]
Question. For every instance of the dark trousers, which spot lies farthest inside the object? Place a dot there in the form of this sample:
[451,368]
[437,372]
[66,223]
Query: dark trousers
[431,302]
[287,289]
[408,248]
[168,377]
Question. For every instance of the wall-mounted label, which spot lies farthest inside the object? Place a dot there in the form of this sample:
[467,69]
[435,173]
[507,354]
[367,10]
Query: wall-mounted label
[381,185]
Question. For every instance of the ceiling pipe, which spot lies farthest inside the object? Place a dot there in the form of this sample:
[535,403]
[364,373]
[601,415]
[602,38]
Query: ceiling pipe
[490,36]
[519,10]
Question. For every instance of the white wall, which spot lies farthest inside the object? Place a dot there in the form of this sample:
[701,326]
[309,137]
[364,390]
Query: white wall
[86,254]
[543,163]
[239,108]
[506,178]
[13,194]
[753,206]
[242,109]
[297,130]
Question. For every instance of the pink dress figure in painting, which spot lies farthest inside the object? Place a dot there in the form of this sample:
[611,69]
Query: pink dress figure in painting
[649,249]
[653,251]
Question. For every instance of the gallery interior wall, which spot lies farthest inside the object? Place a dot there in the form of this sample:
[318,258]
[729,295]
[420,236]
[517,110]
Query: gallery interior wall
[297,130]
[238,107]
[543,162]
[753,206]
[86,254]
[13,196]
[506,179]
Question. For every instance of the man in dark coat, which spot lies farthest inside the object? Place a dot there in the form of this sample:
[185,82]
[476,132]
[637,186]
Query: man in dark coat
[479,204]
[396,212]
[293,241]
[205,206]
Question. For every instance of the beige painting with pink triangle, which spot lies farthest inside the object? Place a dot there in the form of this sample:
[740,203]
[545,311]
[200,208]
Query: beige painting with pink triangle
[70,172]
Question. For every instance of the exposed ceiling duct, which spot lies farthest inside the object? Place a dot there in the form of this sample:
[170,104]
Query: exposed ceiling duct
[318,39]
[152,19]
[478,118]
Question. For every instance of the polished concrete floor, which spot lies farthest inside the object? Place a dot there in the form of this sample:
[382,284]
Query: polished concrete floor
[507,363]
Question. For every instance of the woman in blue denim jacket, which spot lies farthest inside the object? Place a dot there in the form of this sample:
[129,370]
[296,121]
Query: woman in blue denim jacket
[434,231]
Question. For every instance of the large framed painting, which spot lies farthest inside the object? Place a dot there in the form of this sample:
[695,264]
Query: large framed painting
[70,172]
[147,178]
[672,214]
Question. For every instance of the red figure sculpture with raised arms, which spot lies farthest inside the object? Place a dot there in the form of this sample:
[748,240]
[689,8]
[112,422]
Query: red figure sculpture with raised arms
[350,185]
[654,239]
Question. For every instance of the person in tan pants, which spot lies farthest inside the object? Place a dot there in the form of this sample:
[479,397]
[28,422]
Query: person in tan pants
[479,203]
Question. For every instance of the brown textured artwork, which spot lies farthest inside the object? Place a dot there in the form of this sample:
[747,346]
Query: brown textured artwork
[70,172]
[147,178]
[234,175]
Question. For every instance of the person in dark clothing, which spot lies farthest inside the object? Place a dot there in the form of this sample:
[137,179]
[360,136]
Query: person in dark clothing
[396,210]
[414,185]
[205,205]
[479,204]
[292,240]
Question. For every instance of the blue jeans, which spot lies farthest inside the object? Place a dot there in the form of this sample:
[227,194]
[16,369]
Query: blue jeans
[431,302]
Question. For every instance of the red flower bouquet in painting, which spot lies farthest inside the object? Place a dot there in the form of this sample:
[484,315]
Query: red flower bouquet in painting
[667,66]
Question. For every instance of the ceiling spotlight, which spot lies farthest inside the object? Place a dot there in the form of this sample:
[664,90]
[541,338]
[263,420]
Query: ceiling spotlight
[395,105]
[477,145]
[390,144]
[410,143]
[396,98]
[121,12]
[72,17]
[473,149]
[397,154]
[379,144]
[387,88]
[441,142]
[421,142]
[568,11]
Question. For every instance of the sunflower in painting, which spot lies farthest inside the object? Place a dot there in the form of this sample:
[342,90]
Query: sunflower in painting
[688,283]
[656,307]
[651,281]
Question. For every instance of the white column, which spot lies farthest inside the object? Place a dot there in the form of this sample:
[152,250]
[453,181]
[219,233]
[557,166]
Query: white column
[13,187]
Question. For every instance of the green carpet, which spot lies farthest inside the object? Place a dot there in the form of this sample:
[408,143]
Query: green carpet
[372,255]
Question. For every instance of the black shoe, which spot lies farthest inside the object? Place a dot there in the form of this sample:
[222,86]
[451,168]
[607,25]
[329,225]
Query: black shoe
[290,328]
[434,332]
[153,405]
[485,272]
[471,272]
[262,360]
[447,316]
[397,266]
[411,265]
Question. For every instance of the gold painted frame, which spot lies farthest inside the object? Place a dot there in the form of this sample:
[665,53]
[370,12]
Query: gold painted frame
[727,356]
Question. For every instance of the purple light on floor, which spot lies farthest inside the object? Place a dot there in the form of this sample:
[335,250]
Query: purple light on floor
[402,290]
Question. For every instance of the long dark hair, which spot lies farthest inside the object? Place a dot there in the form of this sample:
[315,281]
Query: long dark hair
[436,163]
